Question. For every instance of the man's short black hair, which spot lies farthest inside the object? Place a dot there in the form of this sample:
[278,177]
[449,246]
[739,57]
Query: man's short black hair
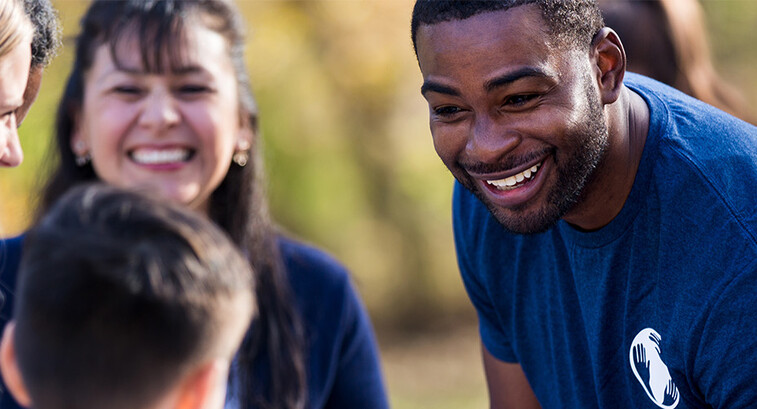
[119,296]
[571,22]
[46,31]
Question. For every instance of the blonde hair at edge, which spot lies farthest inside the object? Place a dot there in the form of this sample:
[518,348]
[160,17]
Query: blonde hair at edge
[15,26]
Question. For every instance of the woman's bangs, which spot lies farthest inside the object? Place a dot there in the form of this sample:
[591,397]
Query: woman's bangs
[159,39]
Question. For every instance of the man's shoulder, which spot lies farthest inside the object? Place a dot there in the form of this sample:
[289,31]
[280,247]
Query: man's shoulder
[702,159]
[679,115]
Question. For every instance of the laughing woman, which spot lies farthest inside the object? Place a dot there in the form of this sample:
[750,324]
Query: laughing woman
[159,99]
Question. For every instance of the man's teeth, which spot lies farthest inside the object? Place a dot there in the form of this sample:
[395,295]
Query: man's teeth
[511,182]
[157,157]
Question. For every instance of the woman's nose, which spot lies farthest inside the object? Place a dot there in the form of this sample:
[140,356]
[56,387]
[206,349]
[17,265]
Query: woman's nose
[159,110]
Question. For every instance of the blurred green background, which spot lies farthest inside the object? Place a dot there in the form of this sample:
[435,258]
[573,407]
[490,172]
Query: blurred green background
[352,168]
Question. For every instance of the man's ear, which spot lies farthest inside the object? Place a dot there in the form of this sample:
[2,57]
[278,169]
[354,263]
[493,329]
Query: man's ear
[609,59]
[9,367]
[205,387]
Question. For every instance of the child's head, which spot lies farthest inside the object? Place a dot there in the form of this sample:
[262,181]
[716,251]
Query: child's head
[125,302]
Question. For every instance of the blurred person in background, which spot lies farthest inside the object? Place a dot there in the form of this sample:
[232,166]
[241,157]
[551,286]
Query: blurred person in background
[16,32]
[605,223]
[45,44]
[159,99]
[667,40]
[14,39]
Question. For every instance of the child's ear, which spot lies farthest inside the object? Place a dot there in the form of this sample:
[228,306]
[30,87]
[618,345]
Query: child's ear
[9,367]
[205,387]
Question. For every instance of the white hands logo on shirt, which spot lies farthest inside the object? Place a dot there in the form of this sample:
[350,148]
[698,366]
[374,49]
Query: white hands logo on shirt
[651,372]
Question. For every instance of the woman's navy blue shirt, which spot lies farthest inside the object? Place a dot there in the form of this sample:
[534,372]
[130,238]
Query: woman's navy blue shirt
[342,357]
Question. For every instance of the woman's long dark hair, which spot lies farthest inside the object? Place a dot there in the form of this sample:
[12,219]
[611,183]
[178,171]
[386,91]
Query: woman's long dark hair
[238,205]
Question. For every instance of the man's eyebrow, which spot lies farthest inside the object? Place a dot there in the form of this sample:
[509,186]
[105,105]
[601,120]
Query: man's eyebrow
[430,86]
[511,77]
[506,79]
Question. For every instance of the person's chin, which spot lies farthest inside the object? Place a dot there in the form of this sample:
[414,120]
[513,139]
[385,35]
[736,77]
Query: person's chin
[528,223]
[532,216]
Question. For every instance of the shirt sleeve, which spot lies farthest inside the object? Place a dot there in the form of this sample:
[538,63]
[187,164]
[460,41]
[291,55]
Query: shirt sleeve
[359,382]
[342,361]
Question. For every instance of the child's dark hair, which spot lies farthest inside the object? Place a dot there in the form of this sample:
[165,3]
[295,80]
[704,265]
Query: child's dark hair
[119,296]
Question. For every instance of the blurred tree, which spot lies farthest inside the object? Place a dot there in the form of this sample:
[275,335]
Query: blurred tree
[354,169]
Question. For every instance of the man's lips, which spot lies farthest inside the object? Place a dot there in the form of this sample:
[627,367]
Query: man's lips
[514,187]
[498,174]
[516,180]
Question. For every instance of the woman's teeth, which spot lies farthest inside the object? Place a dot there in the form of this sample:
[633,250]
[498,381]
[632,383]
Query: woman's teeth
[514,181]
[161,156]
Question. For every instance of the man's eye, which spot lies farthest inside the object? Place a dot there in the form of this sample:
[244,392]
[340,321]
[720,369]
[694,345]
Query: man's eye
[446,111]
[519,100]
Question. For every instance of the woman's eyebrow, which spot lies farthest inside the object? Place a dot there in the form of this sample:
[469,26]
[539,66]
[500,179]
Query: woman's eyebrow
[188,69]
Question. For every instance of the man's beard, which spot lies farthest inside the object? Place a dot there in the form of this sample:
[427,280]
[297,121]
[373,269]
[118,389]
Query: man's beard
[572,176]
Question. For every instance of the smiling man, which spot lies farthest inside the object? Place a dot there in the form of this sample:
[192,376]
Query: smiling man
[605,224]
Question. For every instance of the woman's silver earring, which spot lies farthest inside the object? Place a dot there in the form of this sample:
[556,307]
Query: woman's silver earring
[80,152]
[83,160]
[240,158]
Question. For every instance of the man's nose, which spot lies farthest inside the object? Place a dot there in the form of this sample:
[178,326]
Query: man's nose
[490,140]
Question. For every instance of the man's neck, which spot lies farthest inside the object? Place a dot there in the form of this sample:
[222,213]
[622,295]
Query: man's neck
[608,189]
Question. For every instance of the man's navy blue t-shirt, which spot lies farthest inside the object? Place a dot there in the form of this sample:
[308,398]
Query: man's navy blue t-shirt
[656,309]
[342,360]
